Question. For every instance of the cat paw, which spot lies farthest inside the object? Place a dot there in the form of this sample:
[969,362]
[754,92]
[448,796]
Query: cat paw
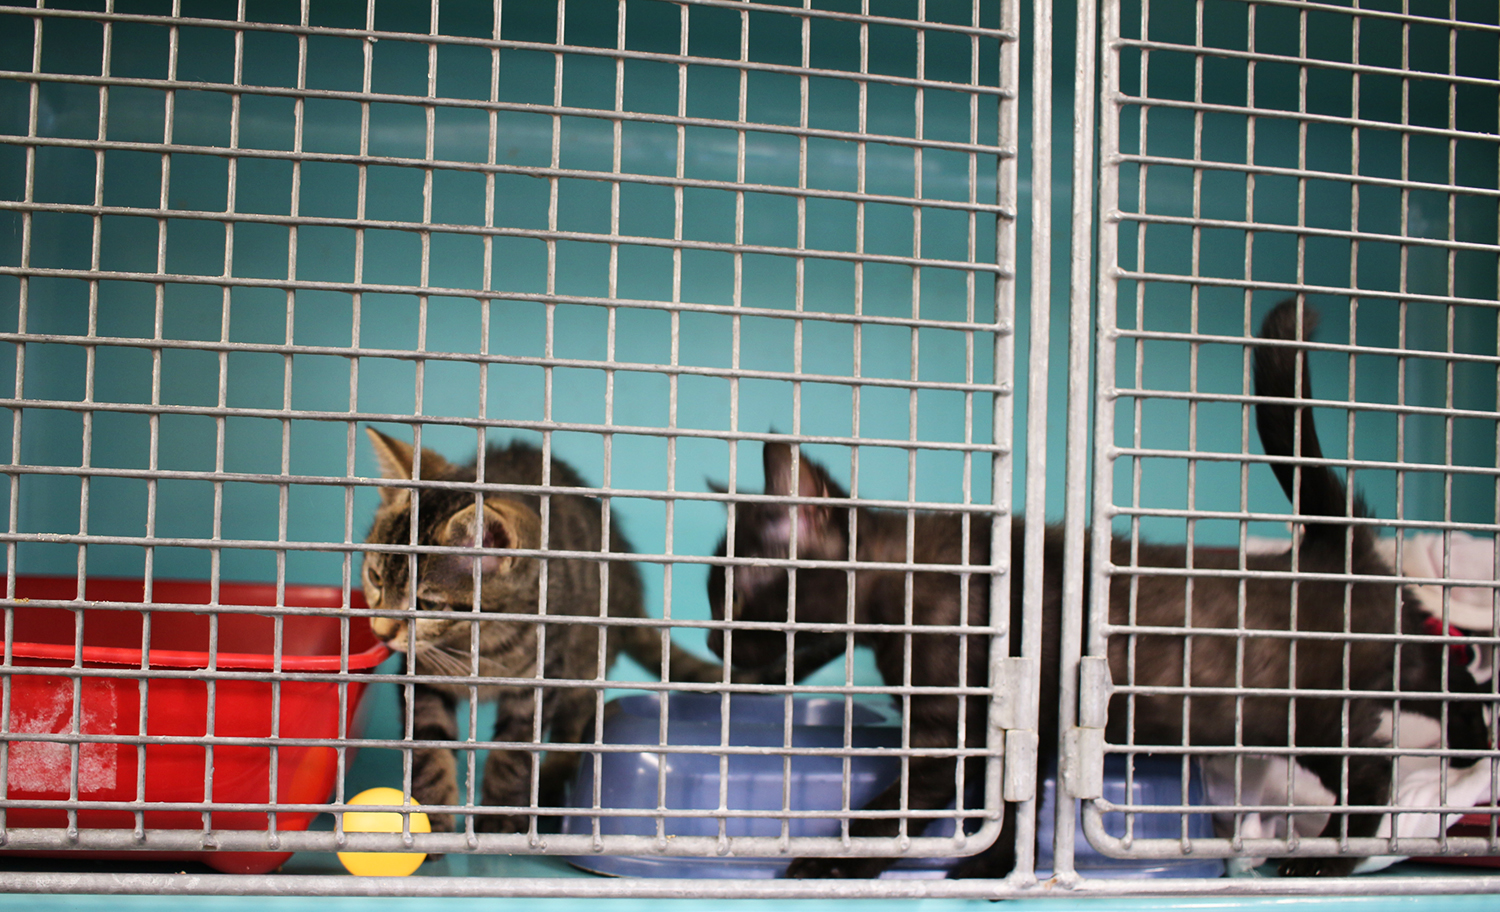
[844,868]
[440,823]
[989,865]
[1317,867]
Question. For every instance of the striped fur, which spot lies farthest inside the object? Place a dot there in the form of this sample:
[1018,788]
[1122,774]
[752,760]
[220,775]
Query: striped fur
[457,658]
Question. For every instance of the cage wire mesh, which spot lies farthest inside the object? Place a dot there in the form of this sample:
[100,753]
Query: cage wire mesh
[649,241]
[1343,157]
[682,262]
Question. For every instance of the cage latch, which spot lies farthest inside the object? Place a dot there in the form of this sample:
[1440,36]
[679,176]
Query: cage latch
[1082,761]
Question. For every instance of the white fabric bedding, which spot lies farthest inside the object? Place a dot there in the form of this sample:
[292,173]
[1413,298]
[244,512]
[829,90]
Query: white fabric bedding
[1419,780]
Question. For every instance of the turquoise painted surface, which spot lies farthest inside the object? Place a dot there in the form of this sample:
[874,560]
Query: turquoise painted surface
[386,385]
[340,904]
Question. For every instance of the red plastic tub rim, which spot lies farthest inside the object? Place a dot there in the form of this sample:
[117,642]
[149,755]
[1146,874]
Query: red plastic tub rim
[321,637]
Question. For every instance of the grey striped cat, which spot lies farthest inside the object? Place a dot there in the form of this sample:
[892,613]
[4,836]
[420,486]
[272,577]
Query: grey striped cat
[471,653]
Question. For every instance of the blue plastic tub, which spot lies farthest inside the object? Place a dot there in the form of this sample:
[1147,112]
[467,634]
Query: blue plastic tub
[691,782]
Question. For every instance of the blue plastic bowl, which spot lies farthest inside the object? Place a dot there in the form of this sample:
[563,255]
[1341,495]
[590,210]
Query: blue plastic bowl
[690,781]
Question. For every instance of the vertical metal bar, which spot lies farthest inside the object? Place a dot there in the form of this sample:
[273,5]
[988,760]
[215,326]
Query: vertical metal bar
[23,302]
[607,439]
[737,301]
[1038,370]
[1138,403]
[342,754]
[1076,469]
[910,545]
[1002,482]
[798,305]
[471,785]
[679,166]
[75,749]
[993,762]
[539,692]
[154,417]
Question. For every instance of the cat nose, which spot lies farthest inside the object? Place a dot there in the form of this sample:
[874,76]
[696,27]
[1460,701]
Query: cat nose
[716,642]
[386,628]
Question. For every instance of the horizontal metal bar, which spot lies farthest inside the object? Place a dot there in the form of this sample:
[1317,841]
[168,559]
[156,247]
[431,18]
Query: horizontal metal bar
[1394,637]
[241,25]
[1350,348]
[431,164]
[452,421]
[1414,525]
[686,888]
[617,747]
[433,291]
[617,116]
[135,673]
[1303,846]
[490,359]
[1227,573]
[160,840]
[1306,231]
[1362,12]
[400,678]
[583,237]
[1146,101]
[1110,807]
[1305,693]
[1311,63]
[1303,288]
[347,547]
[354,481]
[1353,180]
[360,615]
[1249,751]
[1259,459]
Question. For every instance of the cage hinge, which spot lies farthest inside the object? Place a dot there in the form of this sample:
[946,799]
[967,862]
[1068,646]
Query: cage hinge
[1014,707]
[1082,761]
[1020,765]
[1014,715]
[1094,689]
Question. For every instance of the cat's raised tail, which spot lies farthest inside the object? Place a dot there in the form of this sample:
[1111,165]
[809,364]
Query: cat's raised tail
[1281,372]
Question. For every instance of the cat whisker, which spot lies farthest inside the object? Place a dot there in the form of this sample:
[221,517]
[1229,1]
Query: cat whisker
[446,660]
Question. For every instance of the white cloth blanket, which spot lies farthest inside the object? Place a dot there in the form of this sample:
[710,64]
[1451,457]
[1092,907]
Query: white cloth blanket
[1419,780]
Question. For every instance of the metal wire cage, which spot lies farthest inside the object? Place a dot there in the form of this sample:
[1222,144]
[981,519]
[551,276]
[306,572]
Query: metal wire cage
[661,241]
[1344,157]
[648,238]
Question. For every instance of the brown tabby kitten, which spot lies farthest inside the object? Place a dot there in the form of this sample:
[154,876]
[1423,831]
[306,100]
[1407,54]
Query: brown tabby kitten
[443,646]
[1327,546]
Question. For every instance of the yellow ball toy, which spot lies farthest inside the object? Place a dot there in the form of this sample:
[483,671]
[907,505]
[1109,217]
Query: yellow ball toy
[383,864]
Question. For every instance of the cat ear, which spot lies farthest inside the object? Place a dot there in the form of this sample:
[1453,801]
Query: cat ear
[717,487]
[500,524]
[816,523]
[396,458]
[812,479]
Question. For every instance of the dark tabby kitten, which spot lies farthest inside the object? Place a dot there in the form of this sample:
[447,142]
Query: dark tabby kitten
[937,599]
[507,648]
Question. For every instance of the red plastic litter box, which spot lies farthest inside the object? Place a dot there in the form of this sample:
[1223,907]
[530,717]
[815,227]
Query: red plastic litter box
[42,771]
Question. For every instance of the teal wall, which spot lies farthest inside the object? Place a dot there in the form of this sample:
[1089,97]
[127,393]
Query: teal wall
[396,324]
[401,323]
[1453,145]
